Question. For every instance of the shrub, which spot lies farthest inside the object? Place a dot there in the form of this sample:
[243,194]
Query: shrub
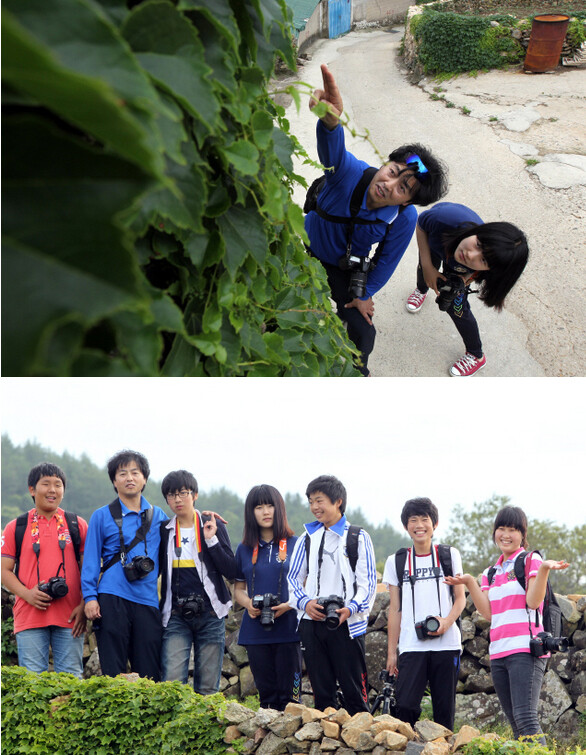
[149,223]
[60,714]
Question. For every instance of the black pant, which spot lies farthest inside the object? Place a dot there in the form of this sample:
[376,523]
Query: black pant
[131,632]
[359,331]
[460,313]
[438,667]
[276,668]
[334,655]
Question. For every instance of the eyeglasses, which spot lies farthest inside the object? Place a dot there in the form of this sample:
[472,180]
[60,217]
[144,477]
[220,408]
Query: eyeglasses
[415,162]
[182,494]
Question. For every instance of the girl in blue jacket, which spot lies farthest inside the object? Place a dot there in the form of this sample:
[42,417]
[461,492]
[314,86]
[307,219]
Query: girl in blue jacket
[490,255]
[269,626]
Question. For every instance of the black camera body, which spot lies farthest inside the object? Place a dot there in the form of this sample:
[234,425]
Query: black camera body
[545,643]
[359,267]
[138,568]
[56,587]
[330,604]
[191,606]
[429,624]
[449,290]
[265,603]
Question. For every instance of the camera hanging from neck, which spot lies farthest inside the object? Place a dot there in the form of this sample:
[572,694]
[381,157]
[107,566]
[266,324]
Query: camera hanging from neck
[435,568]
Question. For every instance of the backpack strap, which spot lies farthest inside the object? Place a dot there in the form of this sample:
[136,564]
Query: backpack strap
[355,203]
[400,559]
[352,544]
[72,525]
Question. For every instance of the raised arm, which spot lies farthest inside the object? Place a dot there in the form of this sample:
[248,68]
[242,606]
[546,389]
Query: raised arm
[479,597]
[330,95]
[536,586]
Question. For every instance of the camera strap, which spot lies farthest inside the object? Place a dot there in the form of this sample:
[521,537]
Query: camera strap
[413,576]
[282,559]
[146,517]
[320,559]
[62,533]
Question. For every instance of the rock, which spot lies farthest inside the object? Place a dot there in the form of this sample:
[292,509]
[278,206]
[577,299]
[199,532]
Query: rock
[569,608]
[436,747]
[468,629]
[340,716]
[311,731]
[414,748]
[358,739]
[392,740]
[360,721]
[581,704]
[294,745]
[479,709]
[272,745]
[468,665]
[285,725]
[567,726]
[481,682]
[478,647]
[561,664]
[265,716]
[331,729]
[381,602]
[429,730]
[479,621]
[232,732]
[234,713]
[229,668]
[579,639]
[295,709]
[311,714]
[376,657]
[247,683]
[578,661]
[92,667]
[465,735]
[238,654]
[578,685]
[315,749]
[329,745]
[553,701]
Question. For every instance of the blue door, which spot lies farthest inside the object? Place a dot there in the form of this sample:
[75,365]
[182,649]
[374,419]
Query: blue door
[339,17]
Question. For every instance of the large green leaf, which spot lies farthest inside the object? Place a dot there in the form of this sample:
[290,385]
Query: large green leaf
[244,233]
[30,64]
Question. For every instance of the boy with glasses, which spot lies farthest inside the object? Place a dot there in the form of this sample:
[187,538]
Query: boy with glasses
[195,557]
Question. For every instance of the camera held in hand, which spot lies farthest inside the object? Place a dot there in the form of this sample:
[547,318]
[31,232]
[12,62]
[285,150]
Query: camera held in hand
[423,628]
[330,605]
[545,643]
[359,267]
[449,290]
[191,606]
[138,568]
[265,603]
[56,587]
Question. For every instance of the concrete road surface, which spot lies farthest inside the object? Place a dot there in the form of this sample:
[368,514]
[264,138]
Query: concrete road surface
[512,117]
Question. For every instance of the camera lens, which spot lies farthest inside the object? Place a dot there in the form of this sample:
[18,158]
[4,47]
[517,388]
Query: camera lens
[432,624]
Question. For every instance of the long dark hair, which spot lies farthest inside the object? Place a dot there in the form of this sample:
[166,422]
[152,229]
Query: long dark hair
[264,494]
[506,252]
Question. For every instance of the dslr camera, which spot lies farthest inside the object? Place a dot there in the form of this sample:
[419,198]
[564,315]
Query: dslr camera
[330,604]
[138,568]
[359,267]
[423,628]
[56,587]
[449,290]
[545,642]
[265,603]
[191,606]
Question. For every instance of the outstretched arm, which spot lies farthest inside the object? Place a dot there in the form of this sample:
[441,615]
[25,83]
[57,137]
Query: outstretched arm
[331,96]
[479,597]
[536,586]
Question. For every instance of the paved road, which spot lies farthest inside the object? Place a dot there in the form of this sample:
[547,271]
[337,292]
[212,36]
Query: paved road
[542,330]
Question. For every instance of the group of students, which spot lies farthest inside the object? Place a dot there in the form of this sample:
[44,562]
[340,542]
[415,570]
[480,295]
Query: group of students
[456,247]
[305,598]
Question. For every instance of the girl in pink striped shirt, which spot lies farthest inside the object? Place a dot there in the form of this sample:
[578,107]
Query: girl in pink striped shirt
[516,674]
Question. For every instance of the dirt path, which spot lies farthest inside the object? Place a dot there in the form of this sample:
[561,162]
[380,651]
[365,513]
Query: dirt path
[542,331]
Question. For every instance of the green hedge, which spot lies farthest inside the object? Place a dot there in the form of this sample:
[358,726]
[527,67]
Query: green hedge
[61,715]
[149,227]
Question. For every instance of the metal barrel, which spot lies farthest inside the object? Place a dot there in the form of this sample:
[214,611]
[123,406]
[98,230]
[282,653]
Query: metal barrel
[548,32]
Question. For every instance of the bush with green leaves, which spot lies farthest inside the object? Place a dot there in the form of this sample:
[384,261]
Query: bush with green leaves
[149,227]
[454,43]
[58,713]
[524,746]
[9,650]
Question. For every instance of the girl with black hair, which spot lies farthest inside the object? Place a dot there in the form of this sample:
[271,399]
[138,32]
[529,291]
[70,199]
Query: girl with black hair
[269,626]
[490,255]
[515,615]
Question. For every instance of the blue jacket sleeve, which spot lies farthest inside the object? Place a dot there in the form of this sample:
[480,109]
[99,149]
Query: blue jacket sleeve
[398,238]
[92,558]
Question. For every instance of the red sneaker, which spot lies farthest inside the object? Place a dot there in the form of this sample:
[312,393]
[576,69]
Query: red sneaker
[467,365]
[415,301]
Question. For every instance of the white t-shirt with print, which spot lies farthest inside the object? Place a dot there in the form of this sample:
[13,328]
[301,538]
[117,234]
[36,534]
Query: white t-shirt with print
[426,602]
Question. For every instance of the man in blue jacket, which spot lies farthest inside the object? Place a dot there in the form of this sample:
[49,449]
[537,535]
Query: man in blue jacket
[120,570]
[196,556]
[386,216]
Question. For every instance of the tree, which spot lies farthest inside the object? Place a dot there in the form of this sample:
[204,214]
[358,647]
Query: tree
[471,532]
[149,179]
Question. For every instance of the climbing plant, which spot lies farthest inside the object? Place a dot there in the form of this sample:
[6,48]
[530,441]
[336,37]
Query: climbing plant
[149,227]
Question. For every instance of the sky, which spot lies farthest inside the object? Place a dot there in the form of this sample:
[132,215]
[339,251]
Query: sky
[388,440]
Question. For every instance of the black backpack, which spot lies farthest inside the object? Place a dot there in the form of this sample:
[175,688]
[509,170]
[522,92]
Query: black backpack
[72,526]
[351,546]
[445,559]
[552,613]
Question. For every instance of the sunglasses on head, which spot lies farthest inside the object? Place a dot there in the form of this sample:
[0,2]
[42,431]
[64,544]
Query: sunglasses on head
[416,164]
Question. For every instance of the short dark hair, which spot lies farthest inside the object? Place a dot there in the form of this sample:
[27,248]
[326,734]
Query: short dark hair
[330,486]
[174,481]
[258,495]
[419,507]
[433,185]
[123,458]
[505,249]
[45,469]
[512,516]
